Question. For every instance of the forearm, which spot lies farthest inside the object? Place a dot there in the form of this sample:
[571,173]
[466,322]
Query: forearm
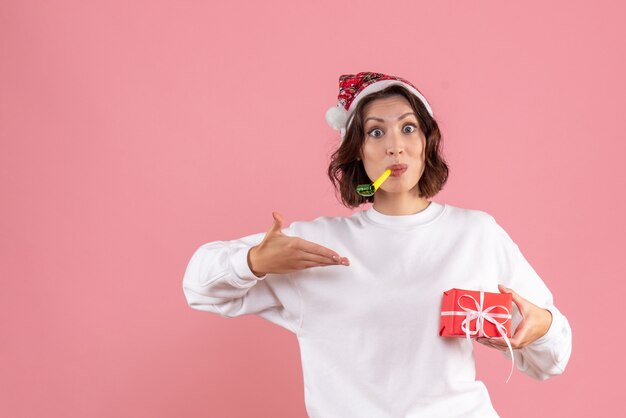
[218,275]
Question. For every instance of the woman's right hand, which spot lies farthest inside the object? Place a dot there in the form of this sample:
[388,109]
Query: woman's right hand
[279,253]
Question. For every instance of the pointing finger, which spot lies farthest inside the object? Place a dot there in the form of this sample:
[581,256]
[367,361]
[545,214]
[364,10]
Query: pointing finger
[313,248]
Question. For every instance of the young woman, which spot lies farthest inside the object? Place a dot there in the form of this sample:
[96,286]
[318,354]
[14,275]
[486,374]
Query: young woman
[362,293]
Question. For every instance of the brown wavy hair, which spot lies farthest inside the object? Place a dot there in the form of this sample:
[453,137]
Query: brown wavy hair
[346,172]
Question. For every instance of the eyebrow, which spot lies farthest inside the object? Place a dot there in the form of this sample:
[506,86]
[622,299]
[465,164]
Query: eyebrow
[382,120]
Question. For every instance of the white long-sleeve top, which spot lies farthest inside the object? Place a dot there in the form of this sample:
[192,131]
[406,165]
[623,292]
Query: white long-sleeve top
[368,332]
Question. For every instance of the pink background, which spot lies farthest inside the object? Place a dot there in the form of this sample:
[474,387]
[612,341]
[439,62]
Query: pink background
[133,132]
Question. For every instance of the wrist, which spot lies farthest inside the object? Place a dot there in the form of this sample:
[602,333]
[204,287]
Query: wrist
[547,321]
[553,330]
[253,261]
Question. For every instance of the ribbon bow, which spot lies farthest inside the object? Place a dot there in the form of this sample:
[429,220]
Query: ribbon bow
[481,315]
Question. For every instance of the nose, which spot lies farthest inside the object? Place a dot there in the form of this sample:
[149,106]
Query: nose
[395,144]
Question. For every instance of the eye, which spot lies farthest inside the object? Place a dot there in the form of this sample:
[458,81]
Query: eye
[376,133]
[411,129]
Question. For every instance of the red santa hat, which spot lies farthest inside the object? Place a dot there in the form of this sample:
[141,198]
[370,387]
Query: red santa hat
[352,88]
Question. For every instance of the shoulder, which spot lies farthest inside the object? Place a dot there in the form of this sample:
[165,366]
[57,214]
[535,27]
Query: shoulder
[477,222]
[483,223]
[468,216]
[325,224]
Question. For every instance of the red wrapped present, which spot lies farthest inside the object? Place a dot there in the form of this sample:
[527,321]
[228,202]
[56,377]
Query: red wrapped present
[473,313]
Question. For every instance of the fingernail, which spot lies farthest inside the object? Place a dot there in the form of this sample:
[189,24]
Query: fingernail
[335,258]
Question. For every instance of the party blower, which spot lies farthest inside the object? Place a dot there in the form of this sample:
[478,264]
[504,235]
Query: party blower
[369,189]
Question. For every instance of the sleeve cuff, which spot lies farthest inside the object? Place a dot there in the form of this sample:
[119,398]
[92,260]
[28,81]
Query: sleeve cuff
[244,277]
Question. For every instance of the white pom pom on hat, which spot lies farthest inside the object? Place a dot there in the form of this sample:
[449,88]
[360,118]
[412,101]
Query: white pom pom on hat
[352,88]
[337,116]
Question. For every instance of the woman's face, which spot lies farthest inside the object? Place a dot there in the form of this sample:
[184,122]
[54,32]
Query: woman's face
[393,136]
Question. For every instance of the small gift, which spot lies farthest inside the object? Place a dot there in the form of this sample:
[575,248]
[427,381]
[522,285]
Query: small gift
[474,313]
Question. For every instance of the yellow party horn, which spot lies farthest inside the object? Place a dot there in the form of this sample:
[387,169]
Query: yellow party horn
[369,189]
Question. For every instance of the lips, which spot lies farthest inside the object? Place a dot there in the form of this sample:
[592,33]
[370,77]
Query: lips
[397,169]
[397,166]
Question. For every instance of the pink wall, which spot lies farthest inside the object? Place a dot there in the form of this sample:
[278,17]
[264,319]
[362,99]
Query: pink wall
[133,132]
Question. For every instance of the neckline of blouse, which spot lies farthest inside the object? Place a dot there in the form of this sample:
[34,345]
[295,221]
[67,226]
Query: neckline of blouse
[423,217]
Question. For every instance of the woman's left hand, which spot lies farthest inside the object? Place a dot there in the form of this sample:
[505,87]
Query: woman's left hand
[535,323]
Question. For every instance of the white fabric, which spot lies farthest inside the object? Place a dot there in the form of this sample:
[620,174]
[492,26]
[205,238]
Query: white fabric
[380,85]
[368,333]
